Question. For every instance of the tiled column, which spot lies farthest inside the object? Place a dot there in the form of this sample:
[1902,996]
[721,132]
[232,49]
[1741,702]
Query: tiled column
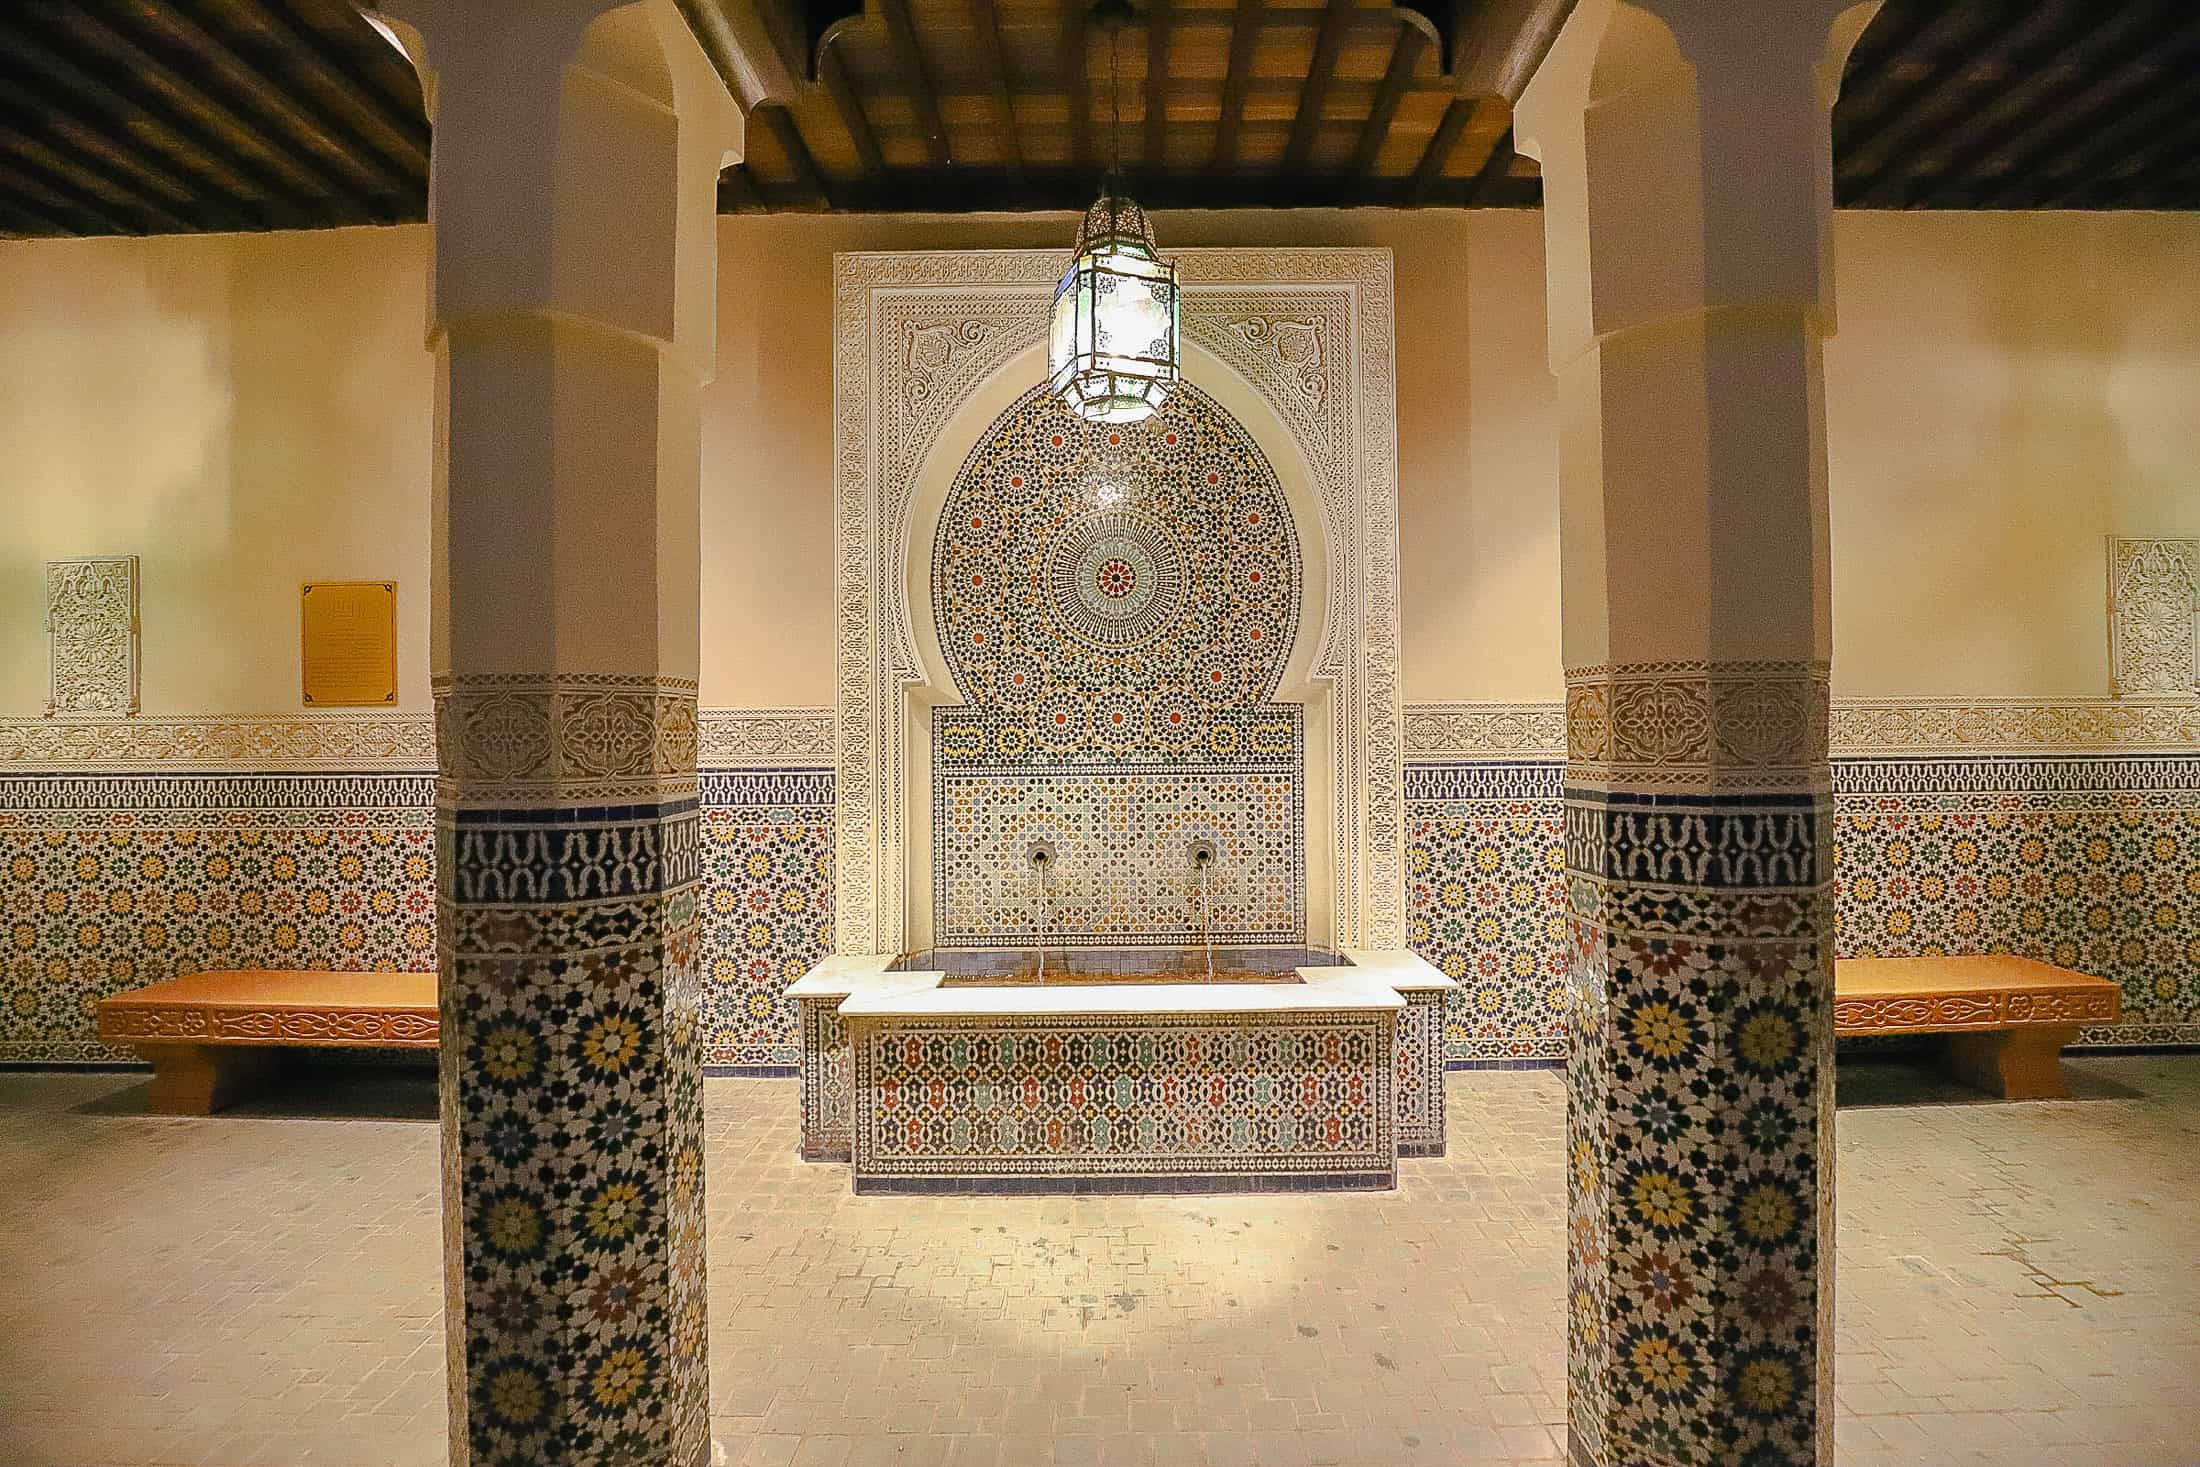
[1685,154]
[577,149]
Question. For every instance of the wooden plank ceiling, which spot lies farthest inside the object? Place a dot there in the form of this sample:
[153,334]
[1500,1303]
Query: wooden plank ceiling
[134,117]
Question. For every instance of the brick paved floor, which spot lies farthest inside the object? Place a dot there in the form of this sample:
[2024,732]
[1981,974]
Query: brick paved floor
[2017,1287]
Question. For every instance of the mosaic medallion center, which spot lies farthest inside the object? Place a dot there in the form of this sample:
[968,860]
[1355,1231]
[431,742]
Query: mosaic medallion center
[1116,578]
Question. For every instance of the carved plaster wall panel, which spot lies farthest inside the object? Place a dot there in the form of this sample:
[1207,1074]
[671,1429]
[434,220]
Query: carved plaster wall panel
[92,635]
[2154,617]
[918,335]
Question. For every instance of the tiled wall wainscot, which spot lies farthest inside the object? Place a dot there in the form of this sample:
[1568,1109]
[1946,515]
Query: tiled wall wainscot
[767,907]
[115,881]
[110,882]
[1486,903]
[2086,863]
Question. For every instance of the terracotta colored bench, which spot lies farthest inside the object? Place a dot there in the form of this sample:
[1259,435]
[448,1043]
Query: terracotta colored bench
[2006,1018]
[214,1037]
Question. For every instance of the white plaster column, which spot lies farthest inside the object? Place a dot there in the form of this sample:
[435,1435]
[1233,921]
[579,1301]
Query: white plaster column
[572,195]
[1687,183]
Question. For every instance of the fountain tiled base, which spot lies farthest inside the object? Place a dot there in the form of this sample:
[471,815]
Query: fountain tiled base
[1319,1083]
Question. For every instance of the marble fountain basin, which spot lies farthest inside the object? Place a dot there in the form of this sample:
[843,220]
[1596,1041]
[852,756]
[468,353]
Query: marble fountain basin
[1125,1070]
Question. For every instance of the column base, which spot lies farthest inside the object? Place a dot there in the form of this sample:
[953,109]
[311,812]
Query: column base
[2013,1064]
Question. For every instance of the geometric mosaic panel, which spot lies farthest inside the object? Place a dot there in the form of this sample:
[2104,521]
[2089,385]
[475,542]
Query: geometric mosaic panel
[767,909]
[1116,604]
[1122,874]
[1158,1096]
[109,883]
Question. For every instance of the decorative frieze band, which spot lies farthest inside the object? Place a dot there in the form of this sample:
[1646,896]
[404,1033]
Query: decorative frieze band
[1857,728]
[1672,840]
[751,738]
[332,742]
[795,738]
[532,739]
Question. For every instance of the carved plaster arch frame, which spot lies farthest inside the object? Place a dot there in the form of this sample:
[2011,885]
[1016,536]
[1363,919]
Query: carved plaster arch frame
[1308,331]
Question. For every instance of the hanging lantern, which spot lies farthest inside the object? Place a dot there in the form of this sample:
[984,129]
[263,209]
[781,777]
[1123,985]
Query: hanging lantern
[1112,348]
[1112,352]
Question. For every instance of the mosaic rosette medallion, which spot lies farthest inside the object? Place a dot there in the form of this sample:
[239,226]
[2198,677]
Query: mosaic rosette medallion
[1116,605]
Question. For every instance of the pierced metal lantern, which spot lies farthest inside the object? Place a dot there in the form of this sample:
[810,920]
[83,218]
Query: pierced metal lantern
[1112,350]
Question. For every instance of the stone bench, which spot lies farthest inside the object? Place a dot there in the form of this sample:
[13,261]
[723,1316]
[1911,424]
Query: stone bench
[2006,1018]
[212,1038]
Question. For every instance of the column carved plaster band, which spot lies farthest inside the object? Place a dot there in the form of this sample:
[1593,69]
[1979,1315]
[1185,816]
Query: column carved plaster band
[565,738]
[917,335]
[1690,725]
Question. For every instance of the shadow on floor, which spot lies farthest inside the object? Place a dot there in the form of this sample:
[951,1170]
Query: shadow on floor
[1915,1079]
[307,1091]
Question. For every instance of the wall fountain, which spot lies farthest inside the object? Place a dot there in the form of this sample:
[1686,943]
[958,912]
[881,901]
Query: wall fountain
[1122,731]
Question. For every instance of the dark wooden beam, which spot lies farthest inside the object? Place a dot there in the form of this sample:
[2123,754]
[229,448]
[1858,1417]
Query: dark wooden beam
[1314,93]
[1437,154]
[1496,168]
[26,180]
[53,158]
[1157,85]
[179,82]
[833,71]
[1077,81]
[2131,88]
[2123,182]
[26,219]
[1500,43]
[398,126]
[1244,31]
[986,21]
[101,149]
[1942,96]
[976,188]
[274,107]
[2026,54]
[810,184]
[737,192]
[903,35]
[2066,167]
[53,70]
[1898,59]
[1405,54]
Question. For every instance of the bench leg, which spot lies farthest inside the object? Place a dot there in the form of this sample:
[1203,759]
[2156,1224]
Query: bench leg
[199,1079]
[2015,1064]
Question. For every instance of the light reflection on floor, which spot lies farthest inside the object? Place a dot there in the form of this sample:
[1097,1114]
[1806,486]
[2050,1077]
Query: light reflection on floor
[2016,1287]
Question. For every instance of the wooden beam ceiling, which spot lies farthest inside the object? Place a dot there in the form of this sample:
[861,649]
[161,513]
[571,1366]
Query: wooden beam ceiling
[176,116]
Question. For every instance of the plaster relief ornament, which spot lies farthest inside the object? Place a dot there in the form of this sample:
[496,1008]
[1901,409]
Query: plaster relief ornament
[92,630]
[1113,343]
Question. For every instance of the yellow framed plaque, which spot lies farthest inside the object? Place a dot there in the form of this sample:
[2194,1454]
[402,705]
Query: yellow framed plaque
[348,643]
